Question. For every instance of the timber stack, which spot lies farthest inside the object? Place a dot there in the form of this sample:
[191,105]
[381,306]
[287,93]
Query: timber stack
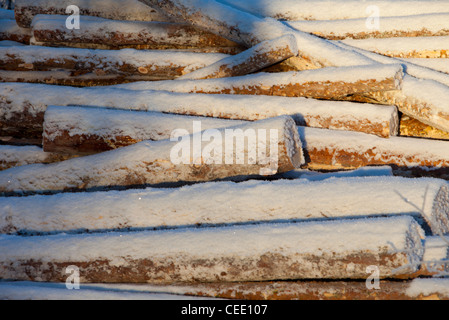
[277,150]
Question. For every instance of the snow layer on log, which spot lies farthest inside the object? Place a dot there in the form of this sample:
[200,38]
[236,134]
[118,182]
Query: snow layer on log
[13,156]
[25,10]
[405,47]
[6,14]
[9,30]
[326,10]
[325,83]
[23,107]
[426,199]
[240,253]
[105,33]
[434,24]
[160,162]
[260,56]
[368,171]
[436,64]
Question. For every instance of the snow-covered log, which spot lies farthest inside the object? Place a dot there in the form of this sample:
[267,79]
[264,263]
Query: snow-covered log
[249,30]
[399,26]
[25,10]
[315,250]
[426,199]
[110,64]
[334,150]
[9,30]
[437,64]
[22,108]
[411,127]
[6,14]
[262,148]
[14,156]
[326,83]
[405,47]
[99,33]
[87,130]
[262,55]
[338,9]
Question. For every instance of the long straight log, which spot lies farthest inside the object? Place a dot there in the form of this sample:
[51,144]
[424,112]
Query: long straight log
[9,30]
[262,55]
[347,9]
[14,156]
[25,10]
[426,199]
[184,159]
[84,130]
[22,108]
[98,33]
[326,83]
[249,30]
[151,64]
[336,150]
[434,24]
[405,47]
[319,250]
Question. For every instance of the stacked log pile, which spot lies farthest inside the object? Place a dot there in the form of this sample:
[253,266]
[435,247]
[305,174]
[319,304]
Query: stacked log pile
[276,150]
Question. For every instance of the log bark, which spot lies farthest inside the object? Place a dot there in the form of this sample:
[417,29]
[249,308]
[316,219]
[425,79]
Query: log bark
[424,199]
[97,33]
[424,25]
[326,83]
[84,130]
[104,63]
[265,54]
[411,47]
[9,30]
[22,108]
[410,127]
[337,150]
[169,162]
[25,10]
[299,251]
[15,156]
[249,30]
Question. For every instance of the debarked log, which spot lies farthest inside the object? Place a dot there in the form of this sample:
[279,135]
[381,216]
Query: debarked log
[188,158]
[98,33]
[22,108]
[25,10]
[424,199]
[326,83]
[317,250]
[262,55]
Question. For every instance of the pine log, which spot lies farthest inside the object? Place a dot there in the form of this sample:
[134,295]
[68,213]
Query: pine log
[327,83]
[25,10]
[87,130]
[14,156]
[317,250]
[337,150]
[405,47]
[98,33]
[9,30]
[148,64]
[22,108]
[265,54]
[421,25]
[169,162]
[411,127]
[249,30]
[326,10]
[416,289]
[424,199]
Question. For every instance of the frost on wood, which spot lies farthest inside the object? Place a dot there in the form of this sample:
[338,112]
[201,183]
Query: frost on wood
[14,156]
[22,108]
[260,56]
[25,10]
[317,250]
[9,30]
[99,33]
[151,162]
[216,203]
